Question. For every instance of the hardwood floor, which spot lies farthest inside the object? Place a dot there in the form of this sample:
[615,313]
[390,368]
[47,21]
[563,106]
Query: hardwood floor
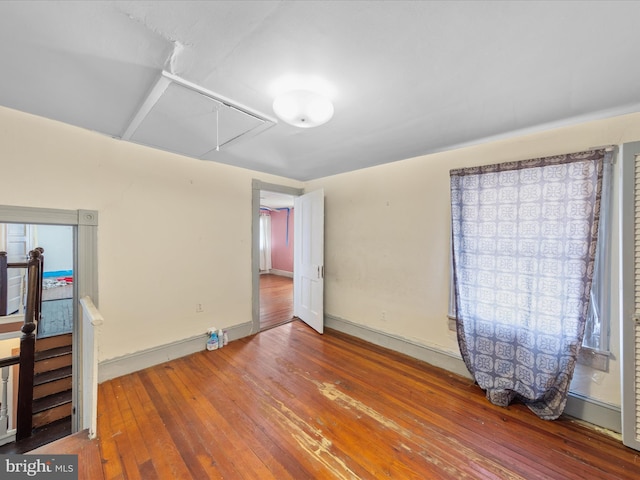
[88,451]
[276,300]
[291,404]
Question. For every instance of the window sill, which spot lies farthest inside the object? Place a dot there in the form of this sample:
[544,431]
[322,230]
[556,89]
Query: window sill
[589,357]
[596,359]
[452,323]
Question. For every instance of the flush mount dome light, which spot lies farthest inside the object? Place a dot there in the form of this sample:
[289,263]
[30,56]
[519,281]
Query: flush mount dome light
[303,108]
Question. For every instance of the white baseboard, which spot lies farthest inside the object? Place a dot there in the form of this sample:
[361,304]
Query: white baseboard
[578,406]
[125,364]
[594,411]
[432,356]
[282,273]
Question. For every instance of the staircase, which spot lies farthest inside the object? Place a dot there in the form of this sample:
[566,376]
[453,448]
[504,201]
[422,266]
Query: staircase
[44,393]
[52,393]
[52,381]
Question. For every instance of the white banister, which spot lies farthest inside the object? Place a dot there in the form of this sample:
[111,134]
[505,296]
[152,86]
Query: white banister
[6,435]
[6,389]
[91,318]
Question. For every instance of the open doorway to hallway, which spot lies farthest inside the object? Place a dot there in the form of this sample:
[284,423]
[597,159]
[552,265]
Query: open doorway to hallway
[276,259]
[84,224]
[52,405]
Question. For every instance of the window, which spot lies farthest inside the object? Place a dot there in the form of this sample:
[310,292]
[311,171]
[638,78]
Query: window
[265,242]
[595,345]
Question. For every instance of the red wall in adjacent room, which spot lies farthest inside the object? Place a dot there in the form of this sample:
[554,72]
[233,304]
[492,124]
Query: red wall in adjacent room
[281,253]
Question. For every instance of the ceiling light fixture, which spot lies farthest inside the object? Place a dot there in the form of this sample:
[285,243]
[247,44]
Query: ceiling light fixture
[303,108]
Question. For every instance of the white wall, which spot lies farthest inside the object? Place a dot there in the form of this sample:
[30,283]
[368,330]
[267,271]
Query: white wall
[387,240]
[57,242]
[173,232]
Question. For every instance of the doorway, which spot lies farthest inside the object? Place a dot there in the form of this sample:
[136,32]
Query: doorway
[17,239]
[53,371]
[276,259]
[272,284]
[308,275]
[82,225]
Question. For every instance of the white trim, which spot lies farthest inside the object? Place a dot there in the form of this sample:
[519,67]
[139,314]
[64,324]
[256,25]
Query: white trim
[583,408]
[282,273]
[133,362]
[594,412]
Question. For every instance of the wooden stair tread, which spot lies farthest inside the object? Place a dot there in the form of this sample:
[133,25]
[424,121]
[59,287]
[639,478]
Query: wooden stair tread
[50,388]
[47,343]
[55,430]
[52,375]
[42,419]
[53,353]
[51,401]
[40,437]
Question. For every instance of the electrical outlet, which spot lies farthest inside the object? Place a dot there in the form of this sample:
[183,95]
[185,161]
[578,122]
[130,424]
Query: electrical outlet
[199,308]
[383,316]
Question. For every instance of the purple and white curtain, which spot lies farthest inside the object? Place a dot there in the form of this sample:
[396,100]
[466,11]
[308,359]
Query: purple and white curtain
[524,241]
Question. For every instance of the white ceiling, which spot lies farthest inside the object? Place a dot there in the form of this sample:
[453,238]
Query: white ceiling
[275,200]
[406,78]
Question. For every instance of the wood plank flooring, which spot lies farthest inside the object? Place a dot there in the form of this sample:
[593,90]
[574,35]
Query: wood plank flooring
[291,404]
[276,300]
[88,451]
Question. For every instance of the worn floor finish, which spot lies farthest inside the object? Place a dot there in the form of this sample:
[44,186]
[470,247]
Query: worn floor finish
[291,404]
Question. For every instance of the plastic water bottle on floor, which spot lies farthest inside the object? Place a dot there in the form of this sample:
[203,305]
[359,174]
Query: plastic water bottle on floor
[213,342]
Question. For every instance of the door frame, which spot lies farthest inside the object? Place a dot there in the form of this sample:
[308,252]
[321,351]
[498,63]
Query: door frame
[256,187]
[85,259]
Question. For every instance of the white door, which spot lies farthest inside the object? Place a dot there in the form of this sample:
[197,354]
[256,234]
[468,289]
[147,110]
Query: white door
[17,244]
[630,318]
[308,259]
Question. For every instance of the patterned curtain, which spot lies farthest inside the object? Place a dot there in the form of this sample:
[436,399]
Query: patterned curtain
[524,240]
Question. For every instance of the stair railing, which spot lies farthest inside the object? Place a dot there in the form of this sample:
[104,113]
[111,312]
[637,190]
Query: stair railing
[26,359]
[24,420]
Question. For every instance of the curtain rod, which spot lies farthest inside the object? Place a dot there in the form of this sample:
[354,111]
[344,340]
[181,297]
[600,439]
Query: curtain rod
[607,148]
